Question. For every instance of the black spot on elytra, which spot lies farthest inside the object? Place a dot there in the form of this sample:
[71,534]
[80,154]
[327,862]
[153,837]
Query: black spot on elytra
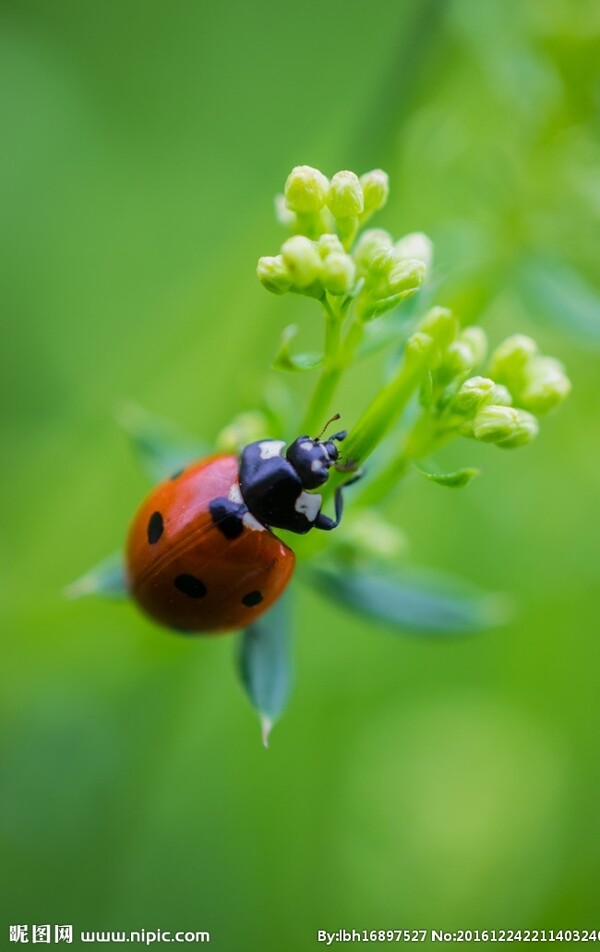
[227,516]
[178,473]
[252,599]
[190,586]
[155,527]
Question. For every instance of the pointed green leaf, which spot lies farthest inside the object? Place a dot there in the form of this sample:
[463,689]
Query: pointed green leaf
[285,360]
[456,480]
[160,445]
[106,578]
[264,666]
[423,602]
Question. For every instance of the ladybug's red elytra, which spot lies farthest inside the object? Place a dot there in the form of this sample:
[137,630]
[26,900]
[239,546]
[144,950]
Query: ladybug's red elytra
[201,556]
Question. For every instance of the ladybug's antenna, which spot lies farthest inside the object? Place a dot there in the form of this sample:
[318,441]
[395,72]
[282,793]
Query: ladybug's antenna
[328,424]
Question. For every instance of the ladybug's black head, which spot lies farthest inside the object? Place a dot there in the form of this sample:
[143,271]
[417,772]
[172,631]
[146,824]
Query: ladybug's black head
[312,459]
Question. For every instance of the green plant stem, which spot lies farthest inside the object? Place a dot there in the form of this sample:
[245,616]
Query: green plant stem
[330,375]
[426,435]
[338,356]
[315,416]
[353,339]
[386,408]
[390,402]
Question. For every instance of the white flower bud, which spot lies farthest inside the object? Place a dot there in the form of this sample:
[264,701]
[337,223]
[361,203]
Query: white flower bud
[415,245]
[478,391]
[546,385]
[464,353]
[441,324]
[344,197]
[501,396]
[375,187]
[525,430]
[493,424]
[302,260]
[458,359]
[387,282]
[418,346]
[272,272]
[508,361]
[504,426]
[406,276]
[339,273]
[476,340]
[329,244]
[381,262]
[537,383]
[305,189]
[370,242]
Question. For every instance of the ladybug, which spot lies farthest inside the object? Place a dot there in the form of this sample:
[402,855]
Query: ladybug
[201,556]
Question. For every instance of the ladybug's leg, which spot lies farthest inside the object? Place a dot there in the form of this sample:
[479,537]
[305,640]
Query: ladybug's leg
[326,522]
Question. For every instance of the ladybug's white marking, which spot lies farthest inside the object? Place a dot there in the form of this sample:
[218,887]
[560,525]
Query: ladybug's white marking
[248,519]
[235,494]
[309,504]
[307,445]
[251,523]
[316,465]
[271,448]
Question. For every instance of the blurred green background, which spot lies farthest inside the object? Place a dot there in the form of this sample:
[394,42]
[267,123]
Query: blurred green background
[413,782]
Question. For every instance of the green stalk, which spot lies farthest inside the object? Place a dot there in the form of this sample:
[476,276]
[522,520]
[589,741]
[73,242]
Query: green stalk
[426,435]
[316,413]
[386,408]
[342,355]
[333,368]
[390,402]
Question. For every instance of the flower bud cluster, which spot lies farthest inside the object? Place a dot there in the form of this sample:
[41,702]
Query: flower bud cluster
[489,415]
[507,427]
[537,383]
[500,408]
[309,267]
[389,271]
[521,385]
[313,205]
[325,216]
[456,353]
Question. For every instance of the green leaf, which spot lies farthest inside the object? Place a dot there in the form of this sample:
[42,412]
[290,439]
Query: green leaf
[106,578]
[425,602]
[160,445]
[553,289]
[263,664]
[456,480]
[285,360]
